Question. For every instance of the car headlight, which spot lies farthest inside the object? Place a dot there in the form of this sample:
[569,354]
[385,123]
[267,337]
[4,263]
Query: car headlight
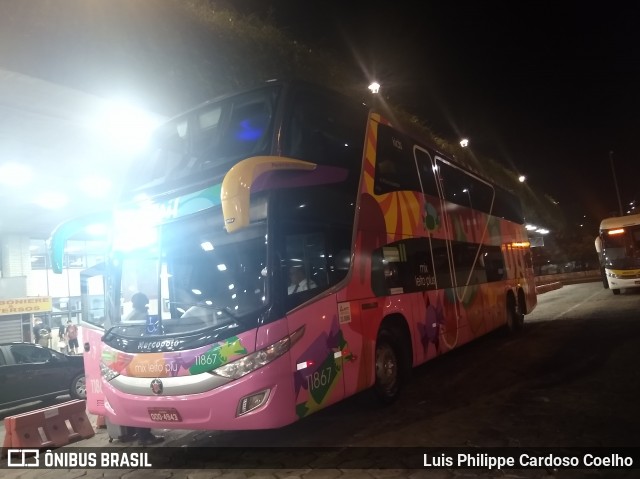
[243,366]
[108,373]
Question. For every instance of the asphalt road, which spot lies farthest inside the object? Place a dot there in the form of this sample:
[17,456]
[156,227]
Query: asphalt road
[569,379]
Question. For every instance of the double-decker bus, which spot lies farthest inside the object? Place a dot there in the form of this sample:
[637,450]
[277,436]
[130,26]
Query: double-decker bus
[618,247]
[294,249]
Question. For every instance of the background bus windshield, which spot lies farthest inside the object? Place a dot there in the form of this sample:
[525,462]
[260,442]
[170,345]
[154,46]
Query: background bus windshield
[622,251]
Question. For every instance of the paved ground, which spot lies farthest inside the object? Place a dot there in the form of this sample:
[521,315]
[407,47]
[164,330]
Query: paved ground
[570,379]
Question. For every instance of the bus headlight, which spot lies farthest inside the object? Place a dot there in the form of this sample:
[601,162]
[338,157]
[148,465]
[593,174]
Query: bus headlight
[243,366]
[107,373]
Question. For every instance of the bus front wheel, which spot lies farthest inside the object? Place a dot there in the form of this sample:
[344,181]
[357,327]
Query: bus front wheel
[388,368]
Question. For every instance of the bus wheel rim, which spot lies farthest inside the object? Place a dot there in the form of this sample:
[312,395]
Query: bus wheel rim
[386,367]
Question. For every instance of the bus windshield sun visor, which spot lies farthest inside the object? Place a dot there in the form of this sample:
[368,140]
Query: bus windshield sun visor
[236,186]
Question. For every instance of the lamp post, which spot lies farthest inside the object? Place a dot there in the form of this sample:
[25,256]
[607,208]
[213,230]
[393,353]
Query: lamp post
[615,182]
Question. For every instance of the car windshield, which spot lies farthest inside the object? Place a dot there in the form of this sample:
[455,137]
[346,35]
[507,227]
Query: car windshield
[196,279]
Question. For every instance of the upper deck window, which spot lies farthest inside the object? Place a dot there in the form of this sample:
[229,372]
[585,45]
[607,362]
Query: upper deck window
[212,138]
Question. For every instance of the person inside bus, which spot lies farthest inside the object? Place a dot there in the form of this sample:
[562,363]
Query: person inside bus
[140,311]
[299,281]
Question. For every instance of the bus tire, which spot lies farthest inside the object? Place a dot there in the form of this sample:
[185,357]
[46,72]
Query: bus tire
[389,368]
[615,291]
[515,318]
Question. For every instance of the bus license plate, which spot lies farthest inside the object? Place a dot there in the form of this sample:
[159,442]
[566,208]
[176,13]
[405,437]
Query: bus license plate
[164,414]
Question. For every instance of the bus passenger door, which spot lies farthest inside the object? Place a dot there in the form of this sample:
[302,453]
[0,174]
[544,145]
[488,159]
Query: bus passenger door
[91,332]
[317,356]
[317,361]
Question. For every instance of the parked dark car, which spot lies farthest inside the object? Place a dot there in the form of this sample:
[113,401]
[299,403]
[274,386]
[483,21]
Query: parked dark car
[30,372]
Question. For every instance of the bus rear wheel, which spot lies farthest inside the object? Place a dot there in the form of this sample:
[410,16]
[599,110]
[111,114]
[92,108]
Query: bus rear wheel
[515,319]
[388,368]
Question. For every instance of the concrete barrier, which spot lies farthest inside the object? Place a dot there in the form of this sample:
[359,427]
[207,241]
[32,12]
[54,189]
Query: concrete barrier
[569,278]
[543,288]
[53,426]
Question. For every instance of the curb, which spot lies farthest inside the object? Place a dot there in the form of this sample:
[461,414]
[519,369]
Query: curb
[543,288]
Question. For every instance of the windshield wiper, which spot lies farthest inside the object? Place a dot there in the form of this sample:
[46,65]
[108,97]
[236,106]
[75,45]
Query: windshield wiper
[226,310]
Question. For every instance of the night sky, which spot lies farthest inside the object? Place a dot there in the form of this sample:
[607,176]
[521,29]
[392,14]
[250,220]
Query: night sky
[546,88]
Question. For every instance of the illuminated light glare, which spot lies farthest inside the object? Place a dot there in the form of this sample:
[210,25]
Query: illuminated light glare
[222,267]
[14,174]
[126,126]
[374,87]
[464,142]
[196,291]
[531,227]
[231,286]
[207,246]
[542,231]
[141,198]
[233,296]
[52,200]
[97,229]
[522,178]
[616,231]
[134,229]
[95,186]
[208,302]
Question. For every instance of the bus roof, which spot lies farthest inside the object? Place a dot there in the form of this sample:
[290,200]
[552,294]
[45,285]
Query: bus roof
[620,222]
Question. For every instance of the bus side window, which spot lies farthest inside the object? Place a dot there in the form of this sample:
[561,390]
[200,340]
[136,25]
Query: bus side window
[493,263]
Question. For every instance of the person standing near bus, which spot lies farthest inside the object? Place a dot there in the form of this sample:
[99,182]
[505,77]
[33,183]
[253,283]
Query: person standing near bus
[37,326]
[72,337]
[42,333]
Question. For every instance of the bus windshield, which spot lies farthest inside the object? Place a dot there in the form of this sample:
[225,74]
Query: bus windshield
[622,251]
[195,279]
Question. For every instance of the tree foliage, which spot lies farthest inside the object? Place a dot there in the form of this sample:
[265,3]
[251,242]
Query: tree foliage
[173,54]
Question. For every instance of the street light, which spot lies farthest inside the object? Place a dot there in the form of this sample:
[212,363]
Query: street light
[464,142]
[522,178]
[374,87]
[466,190]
